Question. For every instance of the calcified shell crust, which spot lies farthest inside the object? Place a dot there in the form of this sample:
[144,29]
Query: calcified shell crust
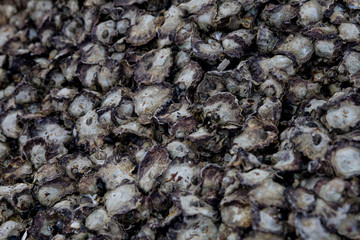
[179,119]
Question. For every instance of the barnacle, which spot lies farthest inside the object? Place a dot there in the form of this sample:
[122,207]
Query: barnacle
[182,119]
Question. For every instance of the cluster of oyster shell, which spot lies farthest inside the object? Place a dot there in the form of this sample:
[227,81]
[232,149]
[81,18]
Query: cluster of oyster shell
[159,119]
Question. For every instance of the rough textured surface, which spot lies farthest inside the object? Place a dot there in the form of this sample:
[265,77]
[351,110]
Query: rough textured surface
[179,119]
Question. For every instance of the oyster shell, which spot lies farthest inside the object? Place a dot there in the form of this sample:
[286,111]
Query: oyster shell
[223,108]
[9,124]
[152,166]
[148,99]
[256,135]
[184,119]
[235,43]
[122,199]
[344,158]
[138,35]
[310,12]
[154,66]
[89,133]
[297,47]
[11,229]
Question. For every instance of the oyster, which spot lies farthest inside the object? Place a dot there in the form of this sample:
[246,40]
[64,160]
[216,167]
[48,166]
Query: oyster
[278,16]
[344,158]
[190,229]
[105,31]
[88,131]
[82,103]
[267,220]
[223,108]
[11,229]
[9,124]
[152,166]
[184,176]
[291,45]
[153,67]
[138,35]
[122,199]
[310,12]
[349,32]
[173,22]
[148,99]
[343,114]
[184,119]
[235,43]
[256,135]
[311,226]
[113,174]
[301,199]
[191,205]
[36,151]
[268,194]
